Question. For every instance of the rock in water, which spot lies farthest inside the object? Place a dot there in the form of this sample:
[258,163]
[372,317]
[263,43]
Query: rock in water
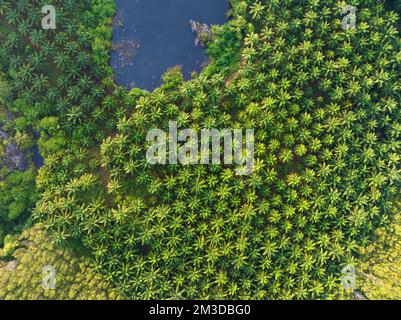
[13,159]
[203,32]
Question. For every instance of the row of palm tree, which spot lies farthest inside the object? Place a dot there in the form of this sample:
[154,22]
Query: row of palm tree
[323,103]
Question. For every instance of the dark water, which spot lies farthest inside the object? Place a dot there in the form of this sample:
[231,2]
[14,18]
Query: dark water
[37,158]
[159,32]
[15,159]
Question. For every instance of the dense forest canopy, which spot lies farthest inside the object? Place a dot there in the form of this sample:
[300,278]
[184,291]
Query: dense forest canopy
[324,104]
[75,277]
